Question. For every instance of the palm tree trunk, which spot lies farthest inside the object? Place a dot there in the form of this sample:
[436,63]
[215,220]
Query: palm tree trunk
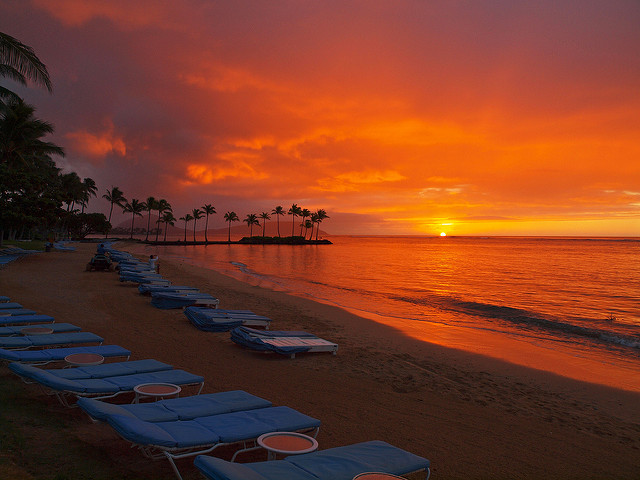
[158,224]
[206,227]
[133,217]
[229,237]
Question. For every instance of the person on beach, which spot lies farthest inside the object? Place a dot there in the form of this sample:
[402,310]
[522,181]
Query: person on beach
[153,263]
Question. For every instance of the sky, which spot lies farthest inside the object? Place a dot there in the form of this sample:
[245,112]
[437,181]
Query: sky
[411,117]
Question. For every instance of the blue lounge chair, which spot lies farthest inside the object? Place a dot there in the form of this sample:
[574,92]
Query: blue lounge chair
[340,463]
[4,299]
[16,330]
[48,355]
[10,305]
[16,311]
[181,300]
[25,319]
[219,320]
[52,339]
[148,289]
[282,342]
[104,381]
[183,428]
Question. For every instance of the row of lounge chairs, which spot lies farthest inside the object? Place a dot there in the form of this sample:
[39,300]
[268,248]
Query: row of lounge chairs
[201,309]
[197,425]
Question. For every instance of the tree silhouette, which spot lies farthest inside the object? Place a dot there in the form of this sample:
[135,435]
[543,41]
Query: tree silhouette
[264,216]
[135,207]
[294,211]
[187,218]
[231,217]
[208,209]
[197,215]
[251,220]
[278,211]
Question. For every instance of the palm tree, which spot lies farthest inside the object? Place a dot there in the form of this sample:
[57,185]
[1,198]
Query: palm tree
[314,220]
[162,206]
[89,189]
[149,204]
[230,217]
[197,215]
[264,216]
[167,219]
[187,218]
[135,207]
[295,210]
[208,209]
[114,197]
[21,133]
[307,225]
[278,211]
[20,63]
[72,189]
[321,216]
[304,214]
[251,220]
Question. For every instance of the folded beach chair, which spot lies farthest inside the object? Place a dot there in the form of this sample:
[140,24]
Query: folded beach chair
[25,319]
[4,299]
[282,342]
[106,380]
[166,300]
[17,330]
[49,340]
[187,426]
[148,289]
[16,312]
[48,355]
[219,320]
[340,463]
[10,305]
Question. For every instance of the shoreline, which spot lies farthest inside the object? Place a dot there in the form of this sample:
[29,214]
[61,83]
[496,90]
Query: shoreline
[471,416]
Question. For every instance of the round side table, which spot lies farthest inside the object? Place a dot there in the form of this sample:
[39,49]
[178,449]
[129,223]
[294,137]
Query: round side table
[286,443]
[155,391]
[376,476]
[36,330]
[84,359]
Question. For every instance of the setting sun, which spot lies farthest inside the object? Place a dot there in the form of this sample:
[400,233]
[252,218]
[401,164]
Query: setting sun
[442,234]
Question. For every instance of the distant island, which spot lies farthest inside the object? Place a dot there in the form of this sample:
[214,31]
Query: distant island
[256,240]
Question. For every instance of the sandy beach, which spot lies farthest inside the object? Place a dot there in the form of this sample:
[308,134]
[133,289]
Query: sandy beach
[473,417]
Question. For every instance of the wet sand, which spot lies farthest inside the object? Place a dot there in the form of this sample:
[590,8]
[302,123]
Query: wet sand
[473,417]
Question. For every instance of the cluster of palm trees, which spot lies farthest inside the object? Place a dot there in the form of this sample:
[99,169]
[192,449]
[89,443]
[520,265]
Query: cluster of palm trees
[32,189]
[314,218]
[135,207]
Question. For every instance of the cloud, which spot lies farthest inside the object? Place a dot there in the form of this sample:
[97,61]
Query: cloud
[97,145]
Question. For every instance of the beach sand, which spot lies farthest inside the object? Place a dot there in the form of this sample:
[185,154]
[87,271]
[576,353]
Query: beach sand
[473,417]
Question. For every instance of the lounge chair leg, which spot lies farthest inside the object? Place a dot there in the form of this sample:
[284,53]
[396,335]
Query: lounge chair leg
[173,465]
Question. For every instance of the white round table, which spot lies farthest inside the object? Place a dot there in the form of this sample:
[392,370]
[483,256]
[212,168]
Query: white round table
[286,443]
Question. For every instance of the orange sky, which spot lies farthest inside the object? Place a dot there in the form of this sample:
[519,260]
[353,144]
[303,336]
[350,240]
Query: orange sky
[496,117]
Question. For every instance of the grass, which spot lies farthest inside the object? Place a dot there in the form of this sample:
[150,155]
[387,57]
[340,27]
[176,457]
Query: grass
[42,440]
[26,244]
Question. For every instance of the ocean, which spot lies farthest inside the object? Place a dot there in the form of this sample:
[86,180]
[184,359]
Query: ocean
[566,305]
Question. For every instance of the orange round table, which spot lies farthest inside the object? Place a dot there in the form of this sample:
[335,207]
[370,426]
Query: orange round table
[376,476]
[155,390]
[36,330]
[287,443]
[84,359]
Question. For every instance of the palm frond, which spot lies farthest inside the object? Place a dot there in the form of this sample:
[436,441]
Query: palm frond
[22,58]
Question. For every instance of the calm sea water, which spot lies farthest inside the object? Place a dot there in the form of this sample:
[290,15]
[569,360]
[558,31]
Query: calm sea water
[571,306]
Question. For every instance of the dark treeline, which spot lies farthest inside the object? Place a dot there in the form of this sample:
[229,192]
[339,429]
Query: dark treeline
[37,200]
